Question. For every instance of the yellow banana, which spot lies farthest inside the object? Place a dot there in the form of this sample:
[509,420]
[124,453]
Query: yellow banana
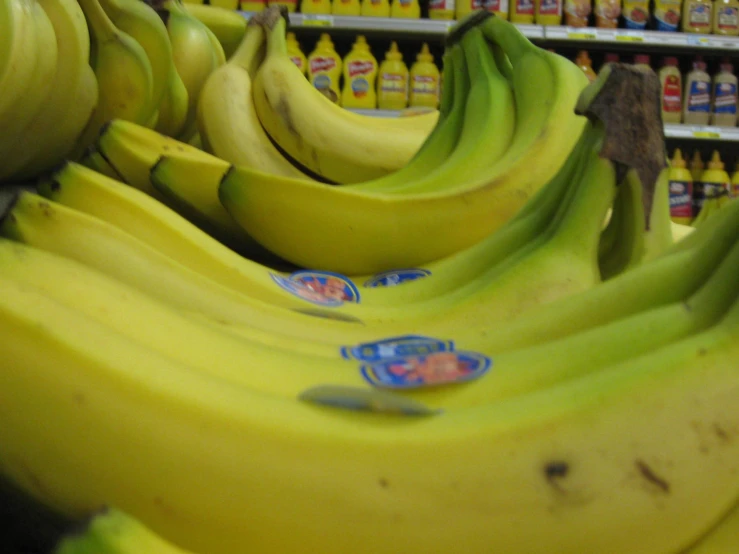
[228,26]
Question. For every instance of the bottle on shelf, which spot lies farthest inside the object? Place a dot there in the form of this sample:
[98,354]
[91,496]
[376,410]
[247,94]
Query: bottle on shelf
[289,5]
[577,13]
[392,84]
[697,103]
[442,9]
[319,7]
[636,13]
[643,61]
[697,16]
[375,8]
[584,62]
[724,96]
[225,4]
[667,15]
[424,80]
[548,12]
[360,73]
[296,54]
[405,9]
[607,13]
[346,7]
[324,68]
[735,181]
[522,12]
[671,88]
[681,190]
[696,171]
[253,6]
[611,57]
[726,18]
[714,179]
[498,7]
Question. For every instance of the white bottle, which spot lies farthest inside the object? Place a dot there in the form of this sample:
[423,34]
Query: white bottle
[724,96]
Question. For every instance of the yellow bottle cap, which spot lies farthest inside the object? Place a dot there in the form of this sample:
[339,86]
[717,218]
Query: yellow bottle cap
[425,54]
[677,159]
[393,53]
[715,162]
[696,161]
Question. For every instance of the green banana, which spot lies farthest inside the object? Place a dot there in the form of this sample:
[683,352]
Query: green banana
[227,25]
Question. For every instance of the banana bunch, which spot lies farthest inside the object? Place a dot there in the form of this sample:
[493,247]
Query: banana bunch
[716,198]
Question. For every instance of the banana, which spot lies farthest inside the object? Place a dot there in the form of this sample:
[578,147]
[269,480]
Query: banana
[152,324]
[19,50]
[337,144]
[72,97]
[625,233]
[174,106]
[647,445]
[95,161]
[227,25]
[658,237]
[133,151]
[194,55]
[227,121]
[144,25]
[123,72]
[488,105]
[36,87]
[373,232]
[722,538]
[111,531]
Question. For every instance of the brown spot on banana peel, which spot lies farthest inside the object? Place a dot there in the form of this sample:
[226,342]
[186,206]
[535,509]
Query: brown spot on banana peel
[626,99]
[647,473]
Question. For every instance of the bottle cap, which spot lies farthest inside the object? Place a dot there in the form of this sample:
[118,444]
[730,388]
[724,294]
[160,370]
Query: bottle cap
[425,54]
[393,53]
[677,159]
[726,66]
[671,61]
[612,58]
[642,59]
[696,161]
[715,162]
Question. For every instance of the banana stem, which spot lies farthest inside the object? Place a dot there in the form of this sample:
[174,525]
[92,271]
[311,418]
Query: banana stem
[276,25]
[249,49]
[100,24]
[508,37]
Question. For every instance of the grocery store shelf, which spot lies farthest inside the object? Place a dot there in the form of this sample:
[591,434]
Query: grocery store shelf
[728,134]
[591,35]
[387,25]
[642,38]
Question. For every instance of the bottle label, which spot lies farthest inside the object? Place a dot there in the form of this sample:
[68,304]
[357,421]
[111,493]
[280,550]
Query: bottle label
[699,97]
[495,6]
[324,288]
[671,100]
[550,7]
[699,15]
[728,18]
[298,61]
[524,7]
[681,199]
[636,18]
[396,277]
[713,190]
[725,98]
[425,85]
[319,64]
[667,20]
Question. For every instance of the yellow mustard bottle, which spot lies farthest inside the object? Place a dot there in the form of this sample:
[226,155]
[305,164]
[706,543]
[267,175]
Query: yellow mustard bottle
[522,12]
[681,189]
[324,68]
[295,53]
[726,18]
[697,16]
[424,84]
[584,62]
[360,73]
[548,12]
[696,171]
[715,180]
[462,8]
[315,7]
[375,8]
[346,7]
[289,5]
[253,6]
[405,9]
[392,84]
[442,9]
[497,7]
